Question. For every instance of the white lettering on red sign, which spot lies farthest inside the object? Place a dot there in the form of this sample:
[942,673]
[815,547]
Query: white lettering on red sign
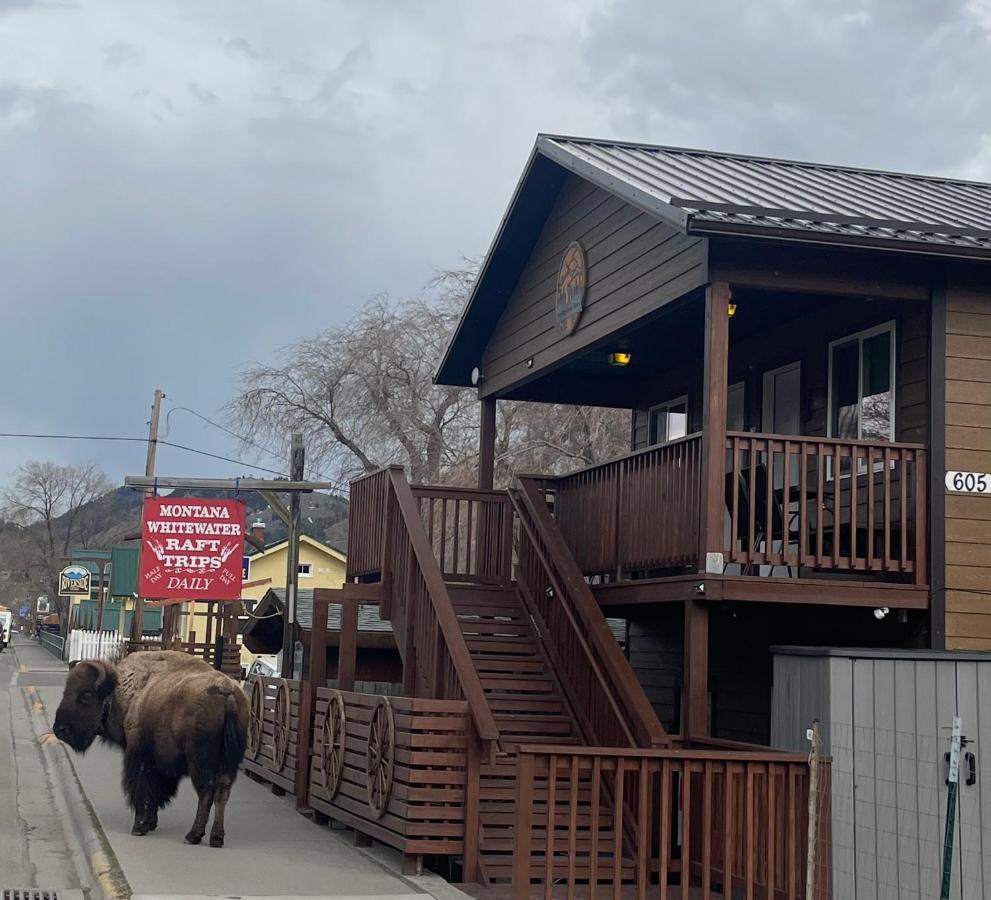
[191,550]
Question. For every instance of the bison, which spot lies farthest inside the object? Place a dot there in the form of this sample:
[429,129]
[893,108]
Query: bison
[173,716]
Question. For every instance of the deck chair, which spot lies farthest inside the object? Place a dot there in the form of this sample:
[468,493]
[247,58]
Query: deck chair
[764,531]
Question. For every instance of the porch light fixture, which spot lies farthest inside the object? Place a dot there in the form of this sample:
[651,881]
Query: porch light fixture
[880,612]
[731,309]
[620,358]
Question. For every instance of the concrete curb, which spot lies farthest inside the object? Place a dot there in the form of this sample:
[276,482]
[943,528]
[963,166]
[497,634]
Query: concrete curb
[107,878]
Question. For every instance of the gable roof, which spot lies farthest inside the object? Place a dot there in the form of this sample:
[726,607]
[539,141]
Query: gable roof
[712,194]
[305,539]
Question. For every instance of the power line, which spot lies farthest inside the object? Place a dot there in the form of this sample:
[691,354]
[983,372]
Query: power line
[140,440]
[341,485]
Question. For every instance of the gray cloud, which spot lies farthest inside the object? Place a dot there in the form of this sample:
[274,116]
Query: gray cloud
[188,187]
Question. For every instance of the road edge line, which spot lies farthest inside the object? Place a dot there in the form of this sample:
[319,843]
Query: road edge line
[104,867]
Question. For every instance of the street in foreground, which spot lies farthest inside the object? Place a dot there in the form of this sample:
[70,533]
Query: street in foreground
[271,850]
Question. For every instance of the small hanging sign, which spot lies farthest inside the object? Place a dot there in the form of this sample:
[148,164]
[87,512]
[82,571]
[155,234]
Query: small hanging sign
[572,279]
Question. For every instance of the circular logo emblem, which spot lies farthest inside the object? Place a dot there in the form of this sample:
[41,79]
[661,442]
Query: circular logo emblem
[571,281]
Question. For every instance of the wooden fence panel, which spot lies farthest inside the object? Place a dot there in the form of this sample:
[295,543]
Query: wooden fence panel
[273,741]
[425,806]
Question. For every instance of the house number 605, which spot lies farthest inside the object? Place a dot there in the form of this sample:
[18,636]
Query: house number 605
[968,482]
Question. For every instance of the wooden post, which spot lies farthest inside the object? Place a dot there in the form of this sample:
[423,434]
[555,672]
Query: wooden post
[813,836]
[99,593]
[347,649]
[137,622]
[473,788]
[486,444]
[696,686]
[714,399]
[296,467]
[315,677]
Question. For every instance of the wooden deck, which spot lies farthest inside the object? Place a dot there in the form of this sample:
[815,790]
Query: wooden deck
[522,744]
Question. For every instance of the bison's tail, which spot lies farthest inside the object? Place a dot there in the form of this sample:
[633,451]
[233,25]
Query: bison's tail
[234,740]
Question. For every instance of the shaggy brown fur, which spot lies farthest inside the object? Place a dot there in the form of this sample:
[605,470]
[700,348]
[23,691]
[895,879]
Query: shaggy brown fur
[172,715]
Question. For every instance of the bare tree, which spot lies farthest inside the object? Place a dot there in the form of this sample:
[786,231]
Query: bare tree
[363,395]
[47,501]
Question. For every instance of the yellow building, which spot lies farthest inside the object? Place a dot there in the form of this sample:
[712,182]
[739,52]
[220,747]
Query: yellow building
[320,566]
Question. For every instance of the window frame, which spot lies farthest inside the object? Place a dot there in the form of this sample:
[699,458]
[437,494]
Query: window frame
[309,570]
[667,404]
[889,327]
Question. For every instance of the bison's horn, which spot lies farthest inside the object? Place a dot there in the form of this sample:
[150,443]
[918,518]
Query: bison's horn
[102,672]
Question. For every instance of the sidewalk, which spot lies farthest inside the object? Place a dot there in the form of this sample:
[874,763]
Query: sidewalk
[271,850]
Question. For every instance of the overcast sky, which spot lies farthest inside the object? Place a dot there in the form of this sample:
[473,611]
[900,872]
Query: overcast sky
[189,186]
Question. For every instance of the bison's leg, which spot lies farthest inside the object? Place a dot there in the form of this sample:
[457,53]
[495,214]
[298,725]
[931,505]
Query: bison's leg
[220,798]
[205,794]
[205,782]
[136,766]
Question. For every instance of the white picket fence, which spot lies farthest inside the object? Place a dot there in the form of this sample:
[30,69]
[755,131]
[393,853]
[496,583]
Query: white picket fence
[93,645]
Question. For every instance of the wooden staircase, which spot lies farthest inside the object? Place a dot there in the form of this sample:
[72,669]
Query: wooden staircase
[488,605]
[529,707]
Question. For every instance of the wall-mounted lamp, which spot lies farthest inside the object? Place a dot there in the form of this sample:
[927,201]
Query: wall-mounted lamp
[476,376]
[620,358]
[731,309]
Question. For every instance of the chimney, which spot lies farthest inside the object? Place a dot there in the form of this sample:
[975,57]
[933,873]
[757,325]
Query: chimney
[258,532]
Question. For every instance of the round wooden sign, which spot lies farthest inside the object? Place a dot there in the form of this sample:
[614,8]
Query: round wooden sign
[572,278]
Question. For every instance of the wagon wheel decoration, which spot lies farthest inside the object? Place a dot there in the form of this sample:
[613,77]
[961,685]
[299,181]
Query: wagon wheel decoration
[257,720]
[334,737]
[381,756]
[281,723]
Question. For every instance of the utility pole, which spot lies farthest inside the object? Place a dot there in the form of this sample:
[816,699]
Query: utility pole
[297,457]
[137,625]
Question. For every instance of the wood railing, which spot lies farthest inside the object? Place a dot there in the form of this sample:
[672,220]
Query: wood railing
[470,531]
[703,823]
[366,515]
[416,600]
[821,503]
[634,513]
[604,692]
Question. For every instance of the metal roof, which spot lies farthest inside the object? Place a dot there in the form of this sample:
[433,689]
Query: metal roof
[368,615]
[712,194]
[705,192]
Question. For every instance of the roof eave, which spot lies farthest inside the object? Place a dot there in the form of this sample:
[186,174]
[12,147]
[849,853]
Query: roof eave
[439,377]
[633,195]
[790,235]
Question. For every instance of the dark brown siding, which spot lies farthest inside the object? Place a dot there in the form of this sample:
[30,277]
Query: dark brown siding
[968,448]
[635,265]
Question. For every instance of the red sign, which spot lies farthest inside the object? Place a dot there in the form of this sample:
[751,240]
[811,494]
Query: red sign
[191,549]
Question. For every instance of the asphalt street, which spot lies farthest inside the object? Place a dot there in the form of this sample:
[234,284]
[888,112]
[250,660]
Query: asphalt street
[271,851]
[36,851]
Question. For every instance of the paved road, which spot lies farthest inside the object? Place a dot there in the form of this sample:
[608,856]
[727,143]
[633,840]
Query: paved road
[37,851]
[271,850]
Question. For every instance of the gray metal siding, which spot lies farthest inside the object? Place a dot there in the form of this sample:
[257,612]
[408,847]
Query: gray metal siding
[887,720]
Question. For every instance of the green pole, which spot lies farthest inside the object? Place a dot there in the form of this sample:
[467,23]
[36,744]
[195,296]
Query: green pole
[951,808]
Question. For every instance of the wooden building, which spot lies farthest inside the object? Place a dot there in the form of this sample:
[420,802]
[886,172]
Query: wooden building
[804,352]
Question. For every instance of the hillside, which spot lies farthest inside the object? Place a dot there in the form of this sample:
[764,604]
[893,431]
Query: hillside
[113,518]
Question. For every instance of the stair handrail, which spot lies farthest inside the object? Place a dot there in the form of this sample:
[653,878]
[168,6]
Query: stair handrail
[443,609]
[615,673]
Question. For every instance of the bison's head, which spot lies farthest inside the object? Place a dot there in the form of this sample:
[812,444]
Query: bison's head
[81,715]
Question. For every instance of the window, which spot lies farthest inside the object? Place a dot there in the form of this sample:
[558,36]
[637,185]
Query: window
[305,570]
[668,421]
[862,385]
